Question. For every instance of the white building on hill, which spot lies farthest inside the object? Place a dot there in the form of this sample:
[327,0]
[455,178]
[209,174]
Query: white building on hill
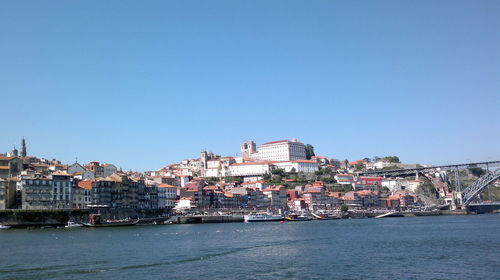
[283,150]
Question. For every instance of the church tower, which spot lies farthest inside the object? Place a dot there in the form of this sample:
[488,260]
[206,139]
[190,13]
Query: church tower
[23,148]
[248,148]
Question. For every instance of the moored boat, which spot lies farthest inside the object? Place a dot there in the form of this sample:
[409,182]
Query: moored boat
[324,217]
[72,225]
[4,226]
[262,217]
[96,221]
[297,218]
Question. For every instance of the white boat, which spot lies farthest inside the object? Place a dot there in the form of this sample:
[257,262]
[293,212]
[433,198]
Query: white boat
[263,217]
[4,226]
[72,225]
[324,216]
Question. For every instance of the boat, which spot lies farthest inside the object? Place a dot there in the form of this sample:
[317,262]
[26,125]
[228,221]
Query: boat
[72,225]
[262,217]
[324,216]
[96,221]
[4,226]
[297,218]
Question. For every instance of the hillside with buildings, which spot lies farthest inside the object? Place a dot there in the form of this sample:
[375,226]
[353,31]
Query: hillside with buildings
[282,175]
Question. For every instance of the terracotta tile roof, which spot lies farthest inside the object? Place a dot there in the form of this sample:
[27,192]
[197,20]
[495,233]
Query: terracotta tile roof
[253,163]
[6,158]
[86,184]
[304,161]
[61,173]
[280,141]
[166,186]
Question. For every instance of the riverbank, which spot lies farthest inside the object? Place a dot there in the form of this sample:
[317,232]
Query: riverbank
[60,217]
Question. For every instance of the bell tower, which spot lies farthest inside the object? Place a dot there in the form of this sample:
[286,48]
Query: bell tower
[23,148]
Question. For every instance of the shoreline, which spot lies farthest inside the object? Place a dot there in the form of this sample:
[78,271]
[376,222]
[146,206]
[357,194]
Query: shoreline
[59,218]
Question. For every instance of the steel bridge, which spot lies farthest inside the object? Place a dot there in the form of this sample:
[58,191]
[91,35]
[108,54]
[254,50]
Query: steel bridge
[470,193]
[422,170]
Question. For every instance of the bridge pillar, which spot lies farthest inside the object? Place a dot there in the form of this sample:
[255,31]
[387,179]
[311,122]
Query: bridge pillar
[417,176]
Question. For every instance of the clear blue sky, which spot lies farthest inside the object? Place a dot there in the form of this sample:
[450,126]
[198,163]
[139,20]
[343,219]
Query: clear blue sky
[145,83]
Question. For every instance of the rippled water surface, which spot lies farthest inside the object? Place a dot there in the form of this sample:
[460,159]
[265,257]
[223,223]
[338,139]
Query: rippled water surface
[443,247]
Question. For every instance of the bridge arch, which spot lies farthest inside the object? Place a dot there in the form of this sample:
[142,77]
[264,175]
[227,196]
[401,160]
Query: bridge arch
[475,188]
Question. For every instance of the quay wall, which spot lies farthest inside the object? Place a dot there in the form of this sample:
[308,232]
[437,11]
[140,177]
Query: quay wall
[207,219]
[484,208]
[38,218]
[60,217]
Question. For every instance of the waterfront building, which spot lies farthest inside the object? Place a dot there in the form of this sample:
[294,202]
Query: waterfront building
[352,199]
[401,200]
[10,167]
[102,192]
[298,205]
[315,199]
[369,198]
[283,150]
[185,204]
[62,184]
[275,197]
[167,195]
[256,199]
[77,194]
[7,193]
[131,192]
[86,185]
[37,192]
[151,196]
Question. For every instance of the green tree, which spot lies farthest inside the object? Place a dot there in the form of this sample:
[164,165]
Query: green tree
[278,171]
[359,166]
[393,159]
[344,208]
[477,171]
[309,151]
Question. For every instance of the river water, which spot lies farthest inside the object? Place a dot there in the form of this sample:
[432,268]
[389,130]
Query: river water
[444,247]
